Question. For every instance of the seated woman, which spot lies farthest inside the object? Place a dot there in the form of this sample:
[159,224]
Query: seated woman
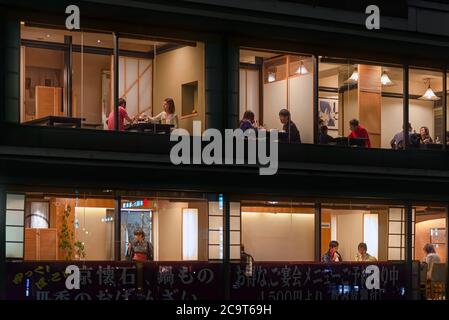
[425,136]
[247,121]
[362,254]
[167,116]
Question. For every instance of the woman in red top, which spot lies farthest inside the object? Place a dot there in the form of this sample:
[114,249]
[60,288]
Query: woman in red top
[357,131]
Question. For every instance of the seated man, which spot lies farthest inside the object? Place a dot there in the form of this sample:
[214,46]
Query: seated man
[332,255]
[357,131]
[122,116]
[363,255]
[397,142]
[324,138]
[292,132]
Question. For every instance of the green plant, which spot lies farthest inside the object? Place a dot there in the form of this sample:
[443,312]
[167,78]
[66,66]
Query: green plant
[66,235]
[79,248]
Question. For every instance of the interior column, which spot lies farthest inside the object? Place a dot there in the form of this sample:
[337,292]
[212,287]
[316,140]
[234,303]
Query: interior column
[370,101]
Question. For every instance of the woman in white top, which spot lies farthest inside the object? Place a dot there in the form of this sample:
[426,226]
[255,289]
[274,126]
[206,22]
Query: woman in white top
[431,258]
[167,116]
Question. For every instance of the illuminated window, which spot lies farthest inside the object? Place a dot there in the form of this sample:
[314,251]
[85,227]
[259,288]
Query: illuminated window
[190,234]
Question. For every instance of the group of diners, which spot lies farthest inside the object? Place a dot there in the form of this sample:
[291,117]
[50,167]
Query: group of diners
[166,116]
[291,132]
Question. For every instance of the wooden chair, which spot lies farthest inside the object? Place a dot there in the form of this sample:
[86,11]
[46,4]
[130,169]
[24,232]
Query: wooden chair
[437,281]
[423,279]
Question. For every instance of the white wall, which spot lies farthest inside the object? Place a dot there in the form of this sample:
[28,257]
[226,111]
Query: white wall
[98,241]
[249,92]
[278,237]
[136,76]
[171,70]
[274,99]
[87,90]
[300,102]
[169,231]
[349,225]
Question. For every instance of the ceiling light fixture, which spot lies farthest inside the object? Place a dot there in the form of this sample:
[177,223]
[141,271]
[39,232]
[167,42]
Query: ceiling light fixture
[385,80]
[354,76]
[271,76]
[302,70]
[429,95]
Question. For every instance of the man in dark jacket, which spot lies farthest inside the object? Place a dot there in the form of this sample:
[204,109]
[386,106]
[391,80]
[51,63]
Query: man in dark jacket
[291,131]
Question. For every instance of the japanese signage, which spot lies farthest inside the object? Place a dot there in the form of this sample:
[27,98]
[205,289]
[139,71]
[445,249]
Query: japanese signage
[202,281]
[114,281]
[339,281]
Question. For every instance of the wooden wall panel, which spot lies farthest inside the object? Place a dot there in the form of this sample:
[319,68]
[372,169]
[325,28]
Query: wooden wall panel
[370,101]
[325,232]
[48,244]
[48,101]
[31,245]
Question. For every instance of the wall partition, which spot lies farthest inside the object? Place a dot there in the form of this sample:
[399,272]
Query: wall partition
[363,91]
[271,81]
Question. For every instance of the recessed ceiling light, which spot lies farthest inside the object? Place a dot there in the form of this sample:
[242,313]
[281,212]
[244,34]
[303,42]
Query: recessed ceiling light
[22,23]
[98,41]
[47,35]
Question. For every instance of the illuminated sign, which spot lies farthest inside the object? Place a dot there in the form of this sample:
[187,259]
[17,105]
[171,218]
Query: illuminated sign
[135,204]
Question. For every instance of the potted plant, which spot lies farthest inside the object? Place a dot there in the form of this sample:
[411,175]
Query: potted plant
[67,241]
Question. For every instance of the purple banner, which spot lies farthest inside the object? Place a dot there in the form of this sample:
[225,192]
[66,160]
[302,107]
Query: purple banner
[317,281]
[115,281]
[203,281]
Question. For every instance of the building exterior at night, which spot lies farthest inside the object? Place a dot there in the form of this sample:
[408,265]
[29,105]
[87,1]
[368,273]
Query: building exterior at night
[75,185]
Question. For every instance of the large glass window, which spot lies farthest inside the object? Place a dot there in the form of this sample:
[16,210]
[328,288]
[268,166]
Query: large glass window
[425,109]
[431,248]
[357,229]
[162,83]
[66,226]
[67,79]
[273,81]
[277,229]
[368,93]
[176,226]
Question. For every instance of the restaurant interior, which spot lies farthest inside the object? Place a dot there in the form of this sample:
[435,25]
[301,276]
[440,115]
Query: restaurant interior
[369,92]
[69,74]
[270,230]
[80,226]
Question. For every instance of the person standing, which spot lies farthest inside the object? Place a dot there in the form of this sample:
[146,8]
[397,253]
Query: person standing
[140,249]
[247,260]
